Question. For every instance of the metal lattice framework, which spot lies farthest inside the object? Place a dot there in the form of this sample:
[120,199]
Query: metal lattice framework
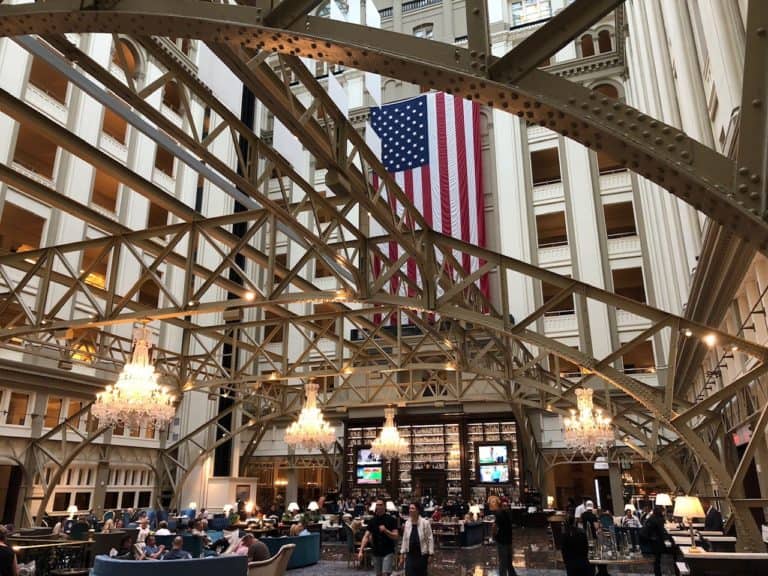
[460,345]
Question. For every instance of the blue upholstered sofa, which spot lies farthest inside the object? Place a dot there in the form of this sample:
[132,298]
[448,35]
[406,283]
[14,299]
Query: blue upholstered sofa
[307,549]
[229,565]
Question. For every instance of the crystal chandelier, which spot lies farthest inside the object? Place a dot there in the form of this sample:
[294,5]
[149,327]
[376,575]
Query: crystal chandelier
[389,443]
[136,399]
[310,429]
[589,430]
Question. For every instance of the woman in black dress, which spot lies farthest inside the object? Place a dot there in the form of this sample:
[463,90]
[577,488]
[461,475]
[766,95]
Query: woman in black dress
[418,543]
[575,550]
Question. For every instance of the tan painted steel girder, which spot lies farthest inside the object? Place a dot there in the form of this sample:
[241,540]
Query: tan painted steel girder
[659,152]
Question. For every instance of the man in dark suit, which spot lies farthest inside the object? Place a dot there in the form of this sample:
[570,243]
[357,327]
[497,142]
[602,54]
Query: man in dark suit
[713,519]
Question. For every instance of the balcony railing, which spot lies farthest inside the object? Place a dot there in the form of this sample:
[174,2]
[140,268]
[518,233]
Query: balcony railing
[409,7]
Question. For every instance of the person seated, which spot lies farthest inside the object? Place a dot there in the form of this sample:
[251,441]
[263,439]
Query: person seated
[197,530]
[151,549]
[126,550]
[258,551]
[177,552]
[109,526]
[437,515]
[245,545]
[631,526]
[162,529]
[299,529]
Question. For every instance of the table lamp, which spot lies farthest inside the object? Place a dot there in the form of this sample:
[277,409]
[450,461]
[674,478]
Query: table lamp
[293,507]
[689,507]
[629,506]
[475,511]
[193,505]
[313,506]
[72,510]
[249,507]
[391,506]
[663,499]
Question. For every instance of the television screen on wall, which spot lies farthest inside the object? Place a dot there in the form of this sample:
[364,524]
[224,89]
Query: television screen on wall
[369,467]
[493,463]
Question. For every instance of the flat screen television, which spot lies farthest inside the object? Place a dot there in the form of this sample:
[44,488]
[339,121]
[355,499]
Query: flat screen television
[369,468]
[493,463]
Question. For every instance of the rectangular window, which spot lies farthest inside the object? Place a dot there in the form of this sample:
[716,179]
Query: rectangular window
[606,164]
[61,501]
[164,161]
[110,500]
[83,500]
[114,126]
[105,189]
[52,412]
[619,219]
[158,216]
[551,229]
[73,408]
[640,359]
[565,306]
[96,263]
[628,282]
[17,409]
[128,500]
[20,229]
[150,431]
[545,166]
[268,328]
[49,80]
[145,498]
[35,152]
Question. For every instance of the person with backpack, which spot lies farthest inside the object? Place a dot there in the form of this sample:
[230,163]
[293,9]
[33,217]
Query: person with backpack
[575,550]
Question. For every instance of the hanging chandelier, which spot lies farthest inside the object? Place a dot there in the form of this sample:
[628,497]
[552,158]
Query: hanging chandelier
[310,429]
[588,430]
[389,443]
[136,399]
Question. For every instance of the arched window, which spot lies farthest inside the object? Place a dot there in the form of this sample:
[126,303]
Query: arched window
[424,31]
[172,97]
[587,46]
[125,57]
[604,41]
[607,89]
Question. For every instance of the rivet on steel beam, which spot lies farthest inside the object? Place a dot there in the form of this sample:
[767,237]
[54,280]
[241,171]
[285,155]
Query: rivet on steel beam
[743,188]
[757,103]
[743,171]
[755,178]
[755,195]
[760,31]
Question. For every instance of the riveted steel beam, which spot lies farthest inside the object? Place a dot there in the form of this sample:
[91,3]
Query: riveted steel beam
[661,153]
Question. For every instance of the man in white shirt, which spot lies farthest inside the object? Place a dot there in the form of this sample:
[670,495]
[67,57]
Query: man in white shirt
[579,510]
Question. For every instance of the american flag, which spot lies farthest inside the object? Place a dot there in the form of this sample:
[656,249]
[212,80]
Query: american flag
[431,145]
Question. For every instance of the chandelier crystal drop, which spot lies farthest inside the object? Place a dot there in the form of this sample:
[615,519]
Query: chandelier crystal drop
[389,443]
[136,399]
[310,429]
[588,430]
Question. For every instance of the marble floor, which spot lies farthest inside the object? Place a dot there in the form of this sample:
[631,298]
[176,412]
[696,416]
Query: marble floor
[534,556]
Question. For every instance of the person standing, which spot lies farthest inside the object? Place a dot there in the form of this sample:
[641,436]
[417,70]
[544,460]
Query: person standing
[382,533]
[713,520]
[580,509]
[575,550]
[418,543]
[655,534]
[502,533]
[8,565]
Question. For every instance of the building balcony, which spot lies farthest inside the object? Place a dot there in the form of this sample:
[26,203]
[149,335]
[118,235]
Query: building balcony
[46,104]
[628,321]
[117,150]
[551,192]
[559,325]
[162,179]
[624,246]
[557,255]
[612,182]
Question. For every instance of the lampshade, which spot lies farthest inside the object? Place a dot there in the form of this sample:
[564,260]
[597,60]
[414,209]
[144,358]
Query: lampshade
[193,505]
[227,508]
[293,507]
[474,509]
[663,499]
[72,510]
[632,506]
[688,507]
[249,506]
[391,506]
[372,507]
[313,506]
